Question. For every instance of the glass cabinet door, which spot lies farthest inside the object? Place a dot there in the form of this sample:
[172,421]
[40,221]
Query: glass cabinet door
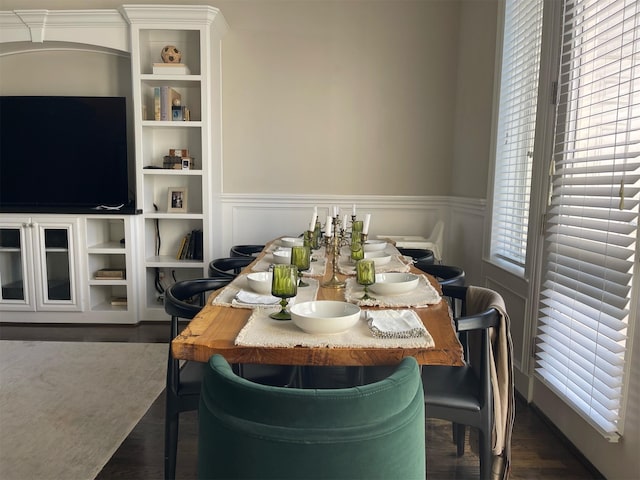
[14,253]
[54,245]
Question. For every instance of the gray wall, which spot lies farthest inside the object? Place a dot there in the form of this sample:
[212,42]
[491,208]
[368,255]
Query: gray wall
[380,97]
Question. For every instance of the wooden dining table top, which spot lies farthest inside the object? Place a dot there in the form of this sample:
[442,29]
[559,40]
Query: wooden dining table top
[214,330]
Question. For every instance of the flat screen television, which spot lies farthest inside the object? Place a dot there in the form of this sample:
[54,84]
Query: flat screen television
[63,154]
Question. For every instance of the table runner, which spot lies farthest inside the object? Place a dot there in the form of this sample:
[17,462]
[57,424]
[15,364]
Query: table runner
[346,266]
[262,331]
[317,268]
[422,296]
[227,296]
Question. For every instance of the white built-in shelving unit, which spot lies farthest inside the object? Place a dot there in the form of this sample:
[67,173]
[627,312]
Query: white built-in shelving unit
[48,263]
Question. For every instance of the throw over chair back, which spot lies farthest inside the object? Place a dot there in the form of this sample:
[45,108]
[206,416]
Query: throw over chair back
[249,431]
[479,394]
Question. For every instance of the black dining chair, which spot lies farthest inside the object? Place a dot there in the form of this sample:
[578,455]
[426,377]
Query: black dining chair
[183,300]
[228,267]
[418,254]
[463,395]
[245,250]
[445,274]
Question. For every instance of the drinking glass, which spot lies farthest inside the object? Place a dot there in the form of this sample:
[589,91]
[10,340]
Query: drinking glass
[300,257]
[309,241]
[356,229]
[366,275]
[317,235]
[357,251]
[284,285]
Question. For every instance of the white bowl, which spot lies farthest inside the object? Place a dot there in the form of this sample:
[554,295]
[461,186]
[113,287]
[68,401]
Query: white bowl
[325,316]
[379,258]
[291,242]
[282,256]
[374,245]
[260,282]
[394,283]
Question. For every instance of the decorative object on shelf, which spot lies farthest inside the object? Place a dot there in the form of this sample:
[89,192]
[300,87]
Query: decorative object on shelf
[191,246]
[171,69]
[178,159]
[171,54]
[119,301]
[110,274]
[177,200]
[165,99]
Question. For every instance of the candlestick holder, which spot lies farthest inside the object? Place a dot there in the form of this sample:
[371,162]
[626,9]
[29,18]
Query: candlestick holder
[333,245]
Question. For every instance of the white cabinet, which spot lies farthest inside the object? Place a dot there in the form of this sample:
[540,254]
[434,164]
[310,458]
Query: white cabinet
[110,269]
[37,264]
[196,32]
[67,269]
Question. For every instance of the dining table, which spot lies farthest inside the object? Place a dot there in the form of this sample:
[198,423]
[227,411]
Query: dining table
[216,329]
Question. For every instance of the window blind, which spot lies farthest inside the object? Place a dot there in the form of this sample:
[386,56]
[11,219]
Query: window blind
[592,219]
[516,129]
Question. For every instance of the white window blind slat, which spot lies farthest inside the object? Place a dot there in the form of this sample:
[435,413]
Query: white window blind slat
[516,129]
[592,220]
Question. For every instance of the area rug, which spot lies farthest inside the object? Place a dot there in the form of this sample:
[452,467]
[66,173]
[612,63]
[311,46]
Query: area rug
[65,407]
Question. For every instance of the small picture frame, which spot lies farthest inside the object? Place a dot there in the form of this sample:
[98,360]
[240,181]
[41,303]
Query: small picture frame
[186,163]
[177,200]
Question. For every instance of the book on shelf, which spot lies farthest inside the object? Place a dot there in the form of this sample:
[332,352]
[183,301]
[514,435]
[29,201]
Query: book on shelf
[163,99]
[119,301]
[191,246]
[110,274]
[171,69]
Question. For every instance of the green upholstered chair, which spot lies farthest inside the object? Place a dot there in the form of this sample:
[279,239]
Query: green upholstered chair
[248,430]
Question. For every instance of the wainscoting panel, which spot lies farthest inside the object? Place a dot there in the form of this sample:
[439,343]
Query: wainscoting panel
[260,218]
[250,219]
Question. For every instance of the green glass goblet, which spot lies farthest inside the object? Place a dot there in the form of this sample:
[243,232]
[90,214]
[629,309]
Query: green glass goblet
[317,235]
[356,229]
[301,258]
[357,250]
[309,241]
[366,275]
[284,285]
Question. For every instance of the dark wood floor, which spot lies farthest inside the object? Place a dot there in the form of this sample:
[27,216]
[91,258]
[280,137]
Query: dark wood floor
[538,450]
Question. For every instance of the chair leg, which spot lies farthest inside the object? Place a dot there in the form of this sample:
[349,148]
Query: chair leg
[486,454]
[170,444]
[459,437]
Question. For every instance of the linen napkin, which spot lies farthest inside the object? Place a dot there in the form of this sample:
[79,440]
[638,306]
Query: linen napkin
[395,324]
[251,298]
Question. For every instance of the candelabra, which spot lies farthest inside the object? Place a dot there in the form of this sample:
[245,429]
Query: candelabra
[333,244]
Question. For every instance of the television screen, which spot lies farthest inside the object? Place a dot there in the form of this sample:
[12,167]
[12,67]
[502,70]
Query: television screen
[64,155]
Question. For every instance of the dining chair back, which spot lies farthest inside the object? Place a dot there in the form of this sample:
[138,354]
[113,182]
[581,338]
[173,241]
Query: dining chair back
[435,240]
[418,254]
[463,395]
[228,267]
[249,431]
[245,250]
[445,274]
[183,300]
